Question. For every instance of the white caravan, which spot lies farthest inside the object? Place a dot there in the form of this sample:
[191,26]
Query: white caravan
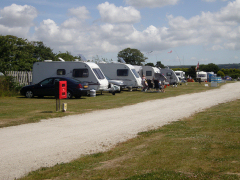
[171,76]
[123,72]
[148,71]
[201,75]
[180,75]
[84,71]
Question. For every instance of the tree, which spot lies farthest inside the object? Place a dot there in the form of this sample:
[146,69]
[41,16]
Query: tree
[149,64]
[191,72]
[132,56]
[159,64]
[209,68]
[220,73]
[17,54]
[66,56]
[42,52]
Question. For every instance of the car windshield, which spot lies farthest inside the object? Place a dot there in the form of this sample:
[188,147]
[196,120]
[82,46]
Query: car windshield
[47,81]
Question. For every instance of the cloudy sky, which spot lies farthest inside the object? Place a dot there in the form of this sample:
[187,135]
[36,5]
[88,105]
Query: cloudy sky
[204,31]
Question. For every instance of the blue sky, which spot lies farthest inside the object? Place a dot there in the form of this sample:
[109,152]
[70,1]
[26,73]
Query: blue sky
[204,31]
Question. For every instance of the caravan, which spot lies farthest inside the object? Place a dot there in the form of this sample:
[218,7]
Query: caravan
[201,76]
[171,76]
[147,71]
[180,75]
[122,72]
[84,71]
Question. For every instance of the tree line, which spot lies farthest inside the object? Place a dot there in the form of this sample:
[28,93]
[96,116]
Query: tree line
[18,54]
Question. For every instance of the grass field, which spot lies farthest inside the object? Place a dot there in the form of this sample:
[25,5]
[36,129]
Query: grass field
[19,110]
[204,146]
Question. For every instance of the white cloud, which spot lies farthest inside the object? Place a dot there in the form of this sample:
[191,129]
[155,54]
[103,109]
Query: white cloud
[17,16]
[218,31]
[80,12]
[212,0]
[217,47]
[16,19]
[151,3]
[209,0]
[112,14]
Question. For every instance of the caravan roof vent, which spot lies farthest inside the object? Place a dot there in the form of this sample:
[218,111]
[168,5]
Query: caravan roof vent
[47,60]
[61,59]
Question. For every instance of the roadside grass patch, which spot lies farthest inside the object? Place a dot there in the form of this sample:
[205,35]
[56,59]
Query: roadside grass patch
[203,146]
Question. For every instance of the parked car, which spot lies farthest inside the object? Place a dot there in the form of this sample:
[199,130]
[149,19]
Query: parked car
[119,83]
[47,88]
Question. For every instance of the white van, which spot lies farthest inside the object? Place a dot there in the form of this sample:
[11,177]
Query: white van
[121,71]
[84,71]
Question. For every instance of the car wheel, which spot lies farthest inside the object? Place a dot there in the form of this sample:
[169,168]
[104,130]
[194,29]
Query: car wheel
[29,94]
[69,95]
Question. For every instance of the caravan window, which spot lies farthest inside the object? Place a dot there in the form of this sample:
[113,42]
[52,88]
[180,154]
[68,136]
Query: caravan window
[98,73]
[61,72]
[169,74]
[82,73]
[135,73]
[122,72]
[148,73]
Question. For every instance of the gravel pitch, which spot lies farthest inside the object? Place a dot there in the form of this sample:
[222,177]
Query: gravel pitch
[28,147]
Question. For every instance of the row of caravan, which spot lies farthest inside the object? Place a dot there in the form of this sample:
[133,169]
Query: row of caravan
[100,75]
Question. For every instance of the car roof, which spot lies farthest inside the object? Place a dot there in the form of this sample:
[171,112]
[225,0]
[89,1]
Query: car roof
[66,78]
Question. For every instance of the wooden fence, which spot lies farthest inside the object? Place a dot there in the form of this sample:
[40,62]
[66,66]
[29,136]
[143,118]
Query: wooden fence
[21,77]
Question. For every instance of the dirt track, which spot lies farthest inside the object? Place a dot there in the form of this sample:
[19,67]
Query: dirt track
[28,147]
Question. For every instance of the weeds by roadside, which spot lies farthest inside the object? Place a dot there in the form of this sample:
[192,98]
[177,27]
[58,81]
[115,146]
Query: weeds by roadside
[8,87]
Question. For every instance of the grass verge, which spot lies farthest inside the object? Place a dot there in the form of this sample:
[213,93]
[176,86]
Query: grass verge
[204,146]
[21,110]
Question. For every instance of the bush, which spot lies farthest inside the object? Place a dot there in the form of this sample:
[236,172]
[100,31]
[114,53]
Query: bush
[8,87]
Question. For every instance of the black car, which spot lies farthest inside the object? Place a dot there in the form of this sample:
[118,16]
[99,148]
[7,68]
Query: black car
[47,88]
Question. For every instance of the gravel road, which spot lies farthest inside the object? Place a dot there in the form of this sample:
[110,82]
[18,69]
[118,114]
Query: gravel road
[27,147]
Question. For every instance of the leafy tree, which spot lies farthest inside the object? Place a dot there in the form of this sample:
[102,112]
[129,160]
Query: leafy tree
[132,56]
[191,72]
[209,68]
[66,56]
[149,64]
[159,64]
[17,54]
[42,52]
[220,73]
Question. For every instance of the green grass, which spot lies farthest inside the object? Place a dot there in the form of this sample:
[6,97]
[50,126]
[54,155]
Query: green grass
[19,110]
[204,146]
